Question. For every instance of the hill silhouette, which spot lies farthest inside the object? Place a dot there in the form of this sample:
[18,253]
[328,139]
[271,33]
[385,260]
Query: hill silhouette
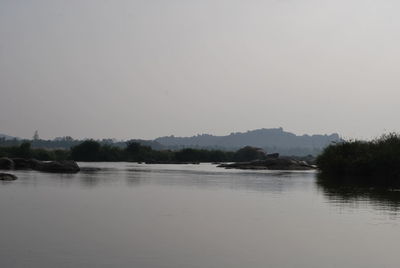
[273,140]
[7,137]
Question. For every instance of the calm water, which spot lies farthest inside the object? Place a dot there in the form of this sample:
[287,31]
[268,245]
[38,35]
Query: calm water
[131,215]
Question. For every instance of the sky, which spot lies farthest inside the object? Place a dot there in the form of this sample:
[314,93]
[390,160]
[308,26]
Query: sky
[144,69]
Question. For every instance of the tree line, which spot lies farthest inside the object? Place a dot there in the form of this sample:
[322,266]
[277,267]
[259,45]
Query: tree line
[94,151]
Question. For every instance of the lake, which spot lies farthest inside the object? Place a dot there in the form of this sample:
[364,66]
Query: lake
[150,216]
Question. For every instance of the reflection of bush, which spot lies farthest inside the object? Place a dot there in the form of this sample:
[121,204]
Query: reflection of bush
[352,189]
[379,158]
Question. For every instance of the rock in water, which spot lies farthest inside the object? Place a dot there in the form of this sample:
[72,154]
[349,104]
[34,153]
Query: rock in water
[45,166]
[271,164]
[7,177]
[6,163]
[56,166]
[22,163]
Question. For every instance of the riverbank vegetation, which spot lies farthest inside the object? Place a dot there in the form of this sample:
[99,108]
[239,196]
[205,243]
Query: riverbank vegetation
[92,151]
[378,159]
[24,150]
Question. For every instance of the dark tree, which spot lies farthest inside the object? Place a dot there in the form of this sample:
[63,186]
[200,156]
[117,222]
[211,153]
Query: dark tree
[86,151]
[137,152]
[249,153]
[25,150]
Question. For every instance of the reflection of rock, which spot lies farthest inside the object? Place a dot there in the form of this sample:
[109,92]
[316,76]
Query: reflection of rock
[90,169]
[6,163]
[50,166]
[7,177]
[171,162]
[271,164]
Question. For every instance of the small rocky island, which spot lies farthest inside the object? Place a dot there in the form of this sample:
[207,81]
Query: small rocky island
[271,163]
[7,177]
[66,166]
[260,160]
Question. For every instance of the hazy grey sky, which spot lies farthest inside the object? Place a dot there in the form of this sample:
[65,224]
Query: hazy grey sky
[143,69]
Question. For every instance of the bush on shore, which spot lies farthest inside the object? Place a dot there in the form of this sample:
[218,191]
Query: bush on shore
[378,158]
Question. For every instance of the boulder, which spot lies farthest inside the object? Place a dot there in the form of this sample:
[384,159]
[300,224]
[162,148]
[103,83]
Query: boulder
[45,166]
[56,166]
[22,163]
[7,177]
[275,155]
[6,163]
[271,164]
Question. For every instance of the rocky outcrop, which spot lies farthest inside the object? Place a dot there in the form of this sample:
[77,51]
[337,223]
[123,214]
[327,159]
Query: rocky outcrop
[44,166]
[271,164]
[6,163]
[7,177]
[56,166]
[171,162]
[275,155]
[22,163]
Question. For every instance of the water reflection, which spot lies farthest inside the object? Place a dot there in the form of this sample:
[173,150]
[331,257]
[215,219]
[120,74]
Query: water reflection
[127,215]
[217,179]
[353,191]
[133,179]
[90,180]
[95,175]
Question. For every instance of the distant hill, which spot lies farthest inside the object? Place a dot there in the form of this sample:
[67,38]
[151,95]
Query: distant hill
[7,137]
[272,140]
[153,144]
